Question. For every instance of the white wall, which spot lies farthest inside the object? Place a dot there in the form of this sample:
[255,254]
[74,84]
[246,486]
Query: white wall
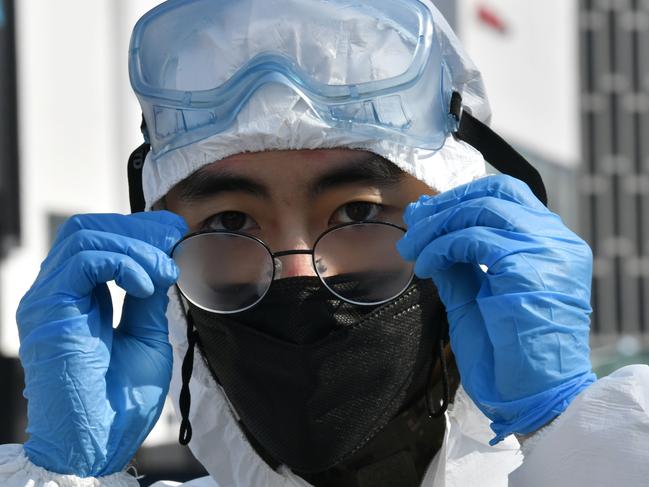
[531,71]
[78,124]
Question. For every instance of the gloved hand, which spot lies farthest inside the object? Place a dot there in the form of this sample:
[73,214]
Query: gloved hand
[519,330]
[95,392]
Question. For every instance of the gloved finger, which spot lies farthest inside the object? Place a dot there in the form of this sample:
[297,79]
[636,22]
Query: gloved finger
[155,262]
[78,288]
[57,316]
[477,246]
[145,318]
[161,229]
[499,186]
[472,349]
[81,273]
[459,285]
[480,212]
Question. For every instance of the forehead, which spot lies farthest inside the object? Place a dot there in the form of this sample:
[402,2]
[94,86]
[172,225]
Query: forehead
[289,172]
[289,164]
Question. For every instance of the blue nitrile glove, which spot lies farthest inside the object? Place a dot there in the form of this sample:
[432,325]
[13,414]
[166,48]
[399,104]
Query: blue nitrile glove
[94,393]
[519,331]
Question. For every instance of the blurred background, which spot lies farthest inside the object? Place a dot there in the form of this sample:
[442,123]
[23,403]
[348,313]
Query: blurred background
[569,86]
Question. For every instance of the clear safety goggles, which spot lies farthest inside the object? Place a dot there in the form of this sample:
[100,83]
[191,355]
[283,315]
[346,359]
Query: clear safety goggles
[229,272]
[370,67]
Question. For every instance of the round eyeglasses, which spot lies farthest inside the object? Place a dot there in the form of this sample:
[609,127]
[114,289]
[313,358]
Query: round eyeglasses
[228,272]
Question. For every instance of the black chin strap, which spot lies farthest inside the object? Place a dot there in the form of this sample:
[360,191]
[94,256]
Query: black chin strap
[446,388]
[495,150]
[184,401]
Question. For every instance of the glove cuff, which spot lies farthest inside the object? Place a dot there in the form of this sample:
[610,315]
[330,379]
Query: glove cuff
[539,409]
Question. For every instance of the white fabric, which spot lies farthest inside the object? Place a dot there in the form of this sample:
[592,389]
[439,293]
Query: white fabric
[17,471]
[601,440]
[276,118]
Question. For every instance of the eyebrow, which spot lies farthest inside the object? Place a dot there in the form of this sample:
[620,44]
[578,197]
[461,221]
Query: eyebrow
[205,183]
[373,169]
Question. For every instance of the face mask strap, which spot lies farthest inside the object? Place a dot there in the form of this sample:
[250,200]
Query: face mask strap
[184,401]
[446,389]
[495,149]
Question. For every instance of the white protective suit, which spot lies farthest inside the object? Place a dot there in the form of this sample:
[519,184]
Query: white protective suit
[601,440]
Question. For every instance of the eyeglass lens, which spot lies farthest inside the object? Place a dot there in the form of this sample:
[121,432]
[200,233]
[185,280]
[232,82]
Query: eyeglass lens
[229,272]
[223,272]
[360,263]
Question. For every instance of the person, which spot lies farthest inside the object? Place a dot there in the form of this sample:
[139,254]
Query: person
[273,274]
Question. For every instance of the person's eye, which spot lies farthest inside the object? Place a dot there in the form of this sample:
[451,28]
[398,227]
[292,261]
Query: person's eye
[357,211]
[233,221]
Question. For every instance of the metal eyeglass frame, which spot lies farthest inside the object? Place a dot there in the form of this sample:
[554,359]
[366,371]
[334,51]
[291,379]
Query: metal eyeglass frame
[283,253]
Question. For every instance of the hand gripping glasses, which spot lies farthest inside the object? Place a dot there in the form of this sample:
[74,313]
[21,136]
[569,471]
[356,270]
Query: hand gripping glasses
[361,66]
[229,272]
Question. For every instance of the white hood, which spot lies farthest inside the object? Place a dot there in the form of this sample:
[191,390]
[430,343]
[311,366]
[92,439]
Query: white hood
[276,118]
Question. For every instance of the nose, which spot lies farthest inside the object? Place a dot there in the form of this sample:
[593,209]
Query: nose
[293,265]
[292,250]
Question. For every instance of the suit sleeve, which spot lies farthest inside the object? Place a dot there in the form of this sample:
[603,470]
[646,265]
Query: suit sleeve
[601,440]
[17,471]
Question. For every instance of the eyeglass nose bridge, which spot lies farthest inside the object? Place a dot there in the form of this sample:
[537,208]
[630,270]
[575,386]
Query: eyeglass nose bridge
[277,263]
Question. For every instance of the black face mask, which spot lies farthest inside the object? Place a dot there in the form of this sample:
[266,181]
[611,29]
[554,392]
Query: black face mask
[314,378]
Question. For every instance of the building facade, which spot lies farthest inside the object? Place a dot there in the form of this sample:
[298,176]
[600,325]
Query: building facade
[569,86]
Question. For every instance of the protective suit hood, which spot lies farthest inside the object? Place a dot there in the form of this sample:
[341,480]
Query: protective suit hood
[277,119]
